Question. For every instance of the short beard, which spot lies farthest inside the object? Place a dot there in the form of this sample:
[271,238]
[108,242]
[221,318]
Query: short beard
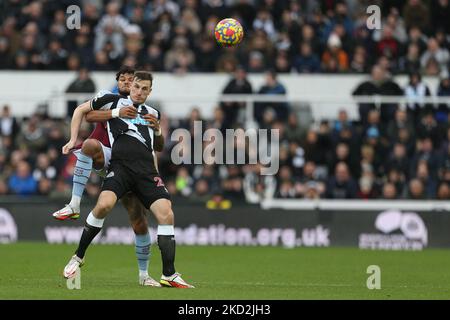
[124,93]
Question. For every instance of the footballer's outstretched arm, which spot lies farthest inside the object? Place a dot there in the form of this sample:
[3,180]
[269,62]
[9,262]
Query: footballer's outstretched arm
[75,124]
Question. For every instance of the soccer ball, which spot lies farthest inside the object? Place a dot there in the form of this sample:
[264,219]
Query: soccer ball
[229,32]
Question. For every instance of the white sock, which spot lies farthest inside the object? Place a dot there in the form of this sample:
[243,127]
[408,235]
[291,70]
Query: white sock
[75,201]
[143,274]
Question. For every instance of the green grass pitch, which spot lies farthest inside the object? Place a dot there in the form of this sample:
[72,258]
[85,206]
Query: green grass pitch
[33,271]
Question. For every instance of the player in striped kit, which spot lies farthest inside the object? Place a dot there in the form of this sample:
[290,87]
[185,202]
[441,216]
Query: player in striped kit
[95,153]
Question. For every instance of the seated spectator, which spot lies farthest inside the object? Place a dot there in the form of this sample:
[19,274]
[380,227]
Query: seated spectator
[366,187]
[359,63]
[306,61]
[416,190]
[443,91]
[341,185]
[335,58]
[32,135]
[184,182]
[411,62]
[44,170]
[398,160]
[389,191]
[434,59]
[415,91]
[443,192]
[8,124]
[428,127]
[312,190]
[293,131]
[428,182]
[22,181]
[398,179]
[401,120]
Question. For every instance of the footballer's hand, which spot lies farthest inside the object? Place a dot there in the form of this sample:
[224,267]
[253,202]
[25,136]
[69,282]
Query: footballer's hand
[129,112]
[68,147]
[153,122]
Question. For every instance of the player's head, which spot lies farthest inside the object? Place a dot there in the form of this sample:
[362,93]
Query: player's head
[124,79]
[141,87]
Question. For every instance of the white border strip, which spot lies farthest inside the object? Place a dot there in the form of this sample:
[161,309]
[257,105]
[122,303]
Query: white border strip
[363,205]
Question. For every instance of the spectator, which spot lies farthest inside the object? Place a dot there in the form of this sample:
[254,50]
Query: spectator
[32,135]
[341,185]
[398,160]
[272,86]
[359,61]
[425,152]
[440,11]
[44,187]
[411,62]
[179,57]
[293,130]
[423,174]
[366,187]
[265,22]
[428,127]
[434,59]
[334,59]
[416,14]
[8,124]
[415,91]
[306,61]
[312,190]
[238,85]
[184,182]
[110,29]
[22,182]
[443,91]
[443,192]
[5,55]
[285,184]
[378,84]
[44,169]
[256,62]
[388,46]
[401,121]
[416,190]
[389,191]
[82,84]
[3,188]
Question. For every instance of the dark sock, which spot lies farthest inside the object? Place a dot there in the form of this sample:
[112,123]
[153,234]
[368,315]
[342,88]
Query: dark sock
[167,246]
[89,233]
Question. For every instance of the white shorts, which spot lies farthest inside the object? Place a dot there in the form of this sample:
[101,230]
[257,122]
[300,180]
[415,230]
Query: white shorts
[106,155]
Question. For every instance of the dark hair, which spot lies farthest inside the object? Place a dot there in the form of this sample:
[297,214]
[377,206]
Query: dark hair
[144,75]
[124,70]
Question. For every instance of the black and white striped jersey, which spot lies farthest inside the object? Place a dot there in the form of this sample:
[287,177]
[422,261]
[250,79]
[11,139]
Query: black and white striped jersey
[137,128]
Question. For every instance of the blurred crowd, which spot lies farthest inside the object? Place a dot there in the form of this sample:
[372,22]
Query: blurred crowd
[393,151]
[304,36]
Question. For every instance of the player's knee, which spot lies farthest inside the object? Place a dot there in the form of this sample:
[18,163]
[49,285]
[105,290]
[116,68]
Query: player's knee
[104,207]
[91,147]
[165,214]
[139,226]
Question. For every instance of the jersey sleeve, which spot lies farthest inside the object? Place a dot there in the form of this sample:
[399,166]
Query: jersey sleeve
[104,101]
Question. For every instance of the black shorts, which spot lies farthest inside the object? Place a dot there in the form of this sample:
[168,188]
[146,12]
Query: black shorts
[148,187]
